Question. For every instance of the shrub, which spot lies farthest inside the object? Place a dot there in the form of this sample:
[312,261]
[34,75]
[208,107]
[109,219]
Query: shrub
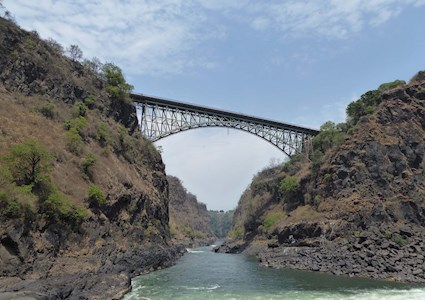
[327,178]
[74,141]
[292,165]
[391,85]
[58,208]
[79,123]
[151,231]
[187,231]
[236,233]
[103,134]
[55,46]
[79,109]
[289,184]
[47,110]
[88,162]
[271,219]
[398,239]
[387,235]
[17,202]
[317,199]
[90,102]
[96,197]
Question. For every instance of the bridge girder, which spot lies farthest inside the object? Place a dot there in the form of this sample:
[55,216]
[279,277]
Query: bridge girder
[161,118]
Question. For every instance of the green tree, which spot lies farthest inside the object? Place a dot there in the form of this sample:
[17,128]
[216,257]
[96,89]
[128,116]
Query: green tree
[363,106]
[116,85]
[29,162]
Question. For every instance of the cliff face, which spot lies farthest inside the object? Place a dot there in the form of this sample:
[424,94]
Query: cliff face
[189,219]
[361,211]
[96,214]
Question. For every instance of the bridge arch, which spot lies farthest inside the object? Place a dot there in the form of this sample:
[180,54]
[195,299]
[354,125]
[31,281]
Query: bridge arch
[161,118]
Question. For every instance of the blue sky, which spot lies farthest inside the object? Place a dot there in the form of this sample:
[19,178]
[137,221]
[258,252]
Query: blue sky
[298,61]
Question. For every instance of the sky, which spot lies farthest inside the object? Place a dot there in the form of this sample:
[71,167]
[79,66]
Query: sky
[294,61]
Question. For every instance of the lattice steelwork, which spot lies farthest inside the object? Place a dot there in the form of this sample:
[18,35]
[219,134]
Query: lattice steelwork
[161,118]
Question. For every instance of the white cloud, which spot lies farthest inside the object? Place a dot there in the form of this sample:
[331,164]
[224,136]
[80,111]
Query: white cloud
[141,36]
[330,18]
[166,37]
[260,23]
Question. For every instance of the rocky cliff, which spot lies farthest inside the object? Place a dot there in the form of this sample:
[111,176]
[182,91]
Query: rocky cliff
[189,219]
[359,210]
[83,198]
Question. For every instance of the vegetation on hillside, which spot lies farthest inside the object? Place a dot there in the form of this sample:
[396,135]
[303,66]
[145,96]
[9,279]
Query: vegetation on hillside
[275,192]
[83,122]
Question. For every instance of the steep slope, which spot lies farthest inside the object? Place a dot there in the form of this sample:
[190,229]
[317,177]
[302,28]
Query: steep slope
[189,219]
[96,214]
[358,211]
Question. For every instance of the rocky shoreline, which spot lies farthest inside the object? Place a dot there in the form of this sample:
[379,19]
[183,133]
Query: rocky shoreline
[111,281]
[375,253]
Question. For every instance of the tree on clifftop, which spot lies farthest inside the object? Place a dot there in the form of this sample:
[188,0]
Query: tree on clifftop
[75,53]
[117,86]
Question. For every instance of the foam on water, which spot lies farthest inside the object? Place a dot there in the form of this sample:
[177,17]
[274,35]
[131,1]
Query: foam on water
[193,251]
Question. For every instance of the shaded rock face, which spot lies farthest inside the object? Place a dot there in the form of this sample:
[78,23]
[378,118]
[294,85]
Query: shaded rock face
[130,235]
[362,213]
[189,218]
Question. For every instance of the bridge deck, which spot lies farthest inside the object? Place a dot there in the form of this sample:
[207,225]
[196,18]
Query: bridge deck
[203,109]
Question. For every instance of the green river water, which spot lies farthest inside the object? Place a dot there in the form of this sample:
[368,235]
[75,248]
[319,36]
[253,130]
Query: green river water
[202,274]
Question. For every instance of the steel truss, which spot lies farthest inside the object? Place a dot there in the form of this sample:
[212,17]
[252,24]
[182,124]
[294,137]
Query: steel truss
[161,118]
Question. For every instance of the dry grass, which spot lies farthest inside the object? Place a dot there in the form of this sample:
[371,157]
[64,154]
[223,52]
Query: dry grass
[20,121]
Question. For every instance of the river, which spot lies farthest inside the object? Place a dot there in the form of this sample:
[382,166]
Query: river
[202,274]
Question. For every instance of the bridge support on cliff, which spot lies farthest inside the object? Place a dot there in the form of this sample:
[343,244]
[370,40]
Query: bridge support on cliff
[161,118]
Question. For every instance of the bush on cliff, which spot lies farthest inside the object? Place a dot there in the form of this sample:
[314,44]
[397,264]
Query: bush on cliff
[96,196]
[58,208]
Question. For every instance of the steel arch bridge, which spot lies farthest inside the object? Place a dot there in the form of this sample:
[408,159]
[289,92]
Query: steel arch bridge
[162,117]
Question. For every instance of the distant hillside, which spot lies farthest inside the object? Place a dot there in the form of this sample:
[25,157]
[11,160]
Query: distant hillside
[356,205]
[83,198]
[189,219]
[221,222]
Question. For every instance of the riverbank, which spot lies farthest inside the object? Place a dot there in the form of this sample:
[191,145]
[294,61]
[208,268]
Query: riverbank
[368,254]
[76,277]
